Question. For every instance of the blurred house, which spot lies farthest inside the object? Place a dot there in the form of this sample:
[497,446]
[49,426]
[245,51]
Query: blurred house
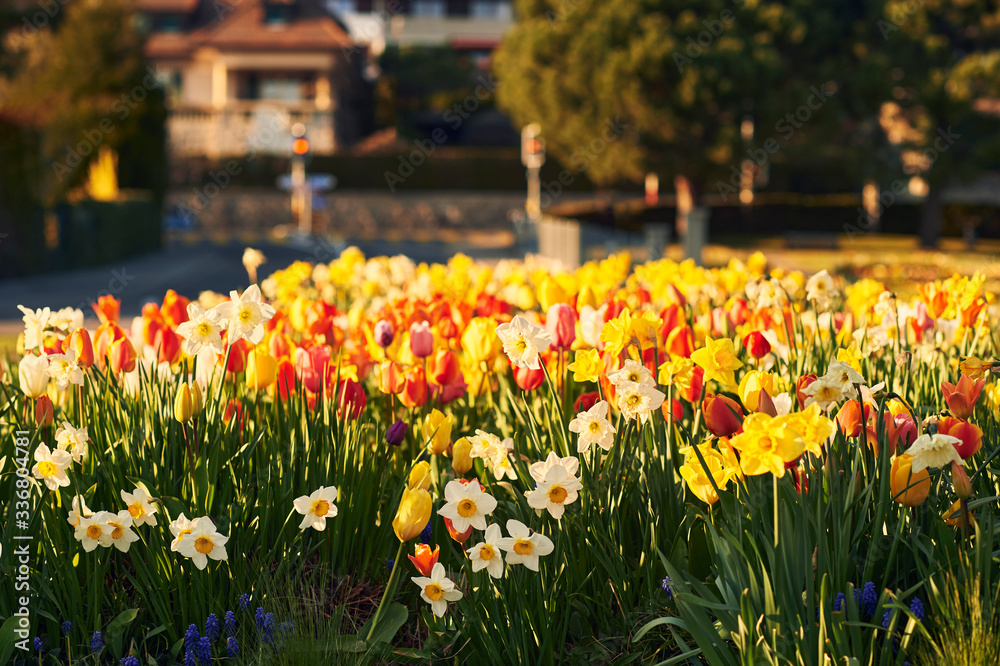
[240,74]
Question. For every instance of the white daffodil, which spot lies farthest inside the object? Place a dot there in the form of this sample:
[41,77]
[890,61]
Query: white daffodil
[201,330]
[245,315]
[524,546]
[33,374]
[845,376]
[934,451]
[139,507]
[51,466]
[501,464]
[67,319]
[121,535]
[636,401]
[180,528]
[437,589]
[93,531]
[317,507]
[484,445]
[824,393]
[782,403]
[555,492]
[203,542]
[35,322]
[539,469]
[486,554]
[593,427]
[78,511]
[467,505]
[73,440]
[64,369]
[523,342]
[820,289]
[632,372]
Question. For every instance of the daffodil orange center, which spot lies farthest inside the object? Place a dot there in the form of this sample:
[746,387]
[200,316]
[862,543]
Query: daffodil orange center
[321,507]
[204,545]
[466,508]
[557,494]
[117,532]
[433,591]
[523,547]
[46,468]
[135,510]
[486,552]
[93,532]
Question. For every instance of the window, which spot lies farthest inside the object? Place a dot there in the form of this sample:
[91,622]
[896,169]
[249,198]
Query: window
[490,9]
[276,14]
[343,6]
[431,8]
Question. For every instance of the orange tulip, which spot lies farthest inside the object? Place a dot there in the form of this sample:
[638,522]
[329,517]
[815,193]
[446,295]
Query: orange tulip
[284,384]
[43,411]
[723,416]
[424,558]
[390,377]
[414,393]
[528,379]
[443,368]
[167,345]
[908,488]
[174,309]
[970,434]
[680,342]
[121,355]
[79,341]
[849,418]
[676,410]
[962,398]
[106,334]
[107,308]
[460,537]
[237,353]
[672,316]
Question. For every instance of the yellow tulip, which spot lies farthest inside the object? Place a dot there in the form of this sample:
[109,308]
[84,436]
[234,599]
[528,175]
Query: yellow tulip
[182,404]
[696,477]
[752,384]
[480,340]
[420,476]
[461,456]
[550,293]
[413,514]
[261,368]
[586,297]
[197,400]
[908,488]
[437,432]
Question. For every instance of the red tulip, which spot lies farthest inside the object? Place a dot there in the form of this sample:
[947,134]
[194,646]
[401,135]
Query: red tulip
[167,345]
[680,342]
[800,385]
[79,341]
[962,398]
[443,368]
[970,434]
[414,393]
[529,379]
[561,324]
[586,401]
[723,416]
[757,345]
[849,418]
[43,411]
[121,355]
[676,411]
[174,309]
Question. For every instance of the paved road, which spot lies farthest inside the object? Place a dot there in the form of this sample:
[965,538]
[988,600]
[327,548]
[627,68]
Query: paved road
[191,269]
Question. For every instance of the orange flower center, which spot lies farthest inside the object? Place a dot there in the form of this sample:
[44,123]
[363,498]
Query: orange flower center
[486,552]
[433,592]
[466,508]
[523,547]
[135,510]
[557,494]
[204,545]
[117,532]
[93,532]
[321,508]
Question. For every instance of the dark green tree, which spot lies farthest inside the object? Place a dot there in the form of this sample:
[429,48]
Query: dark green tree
[948,54]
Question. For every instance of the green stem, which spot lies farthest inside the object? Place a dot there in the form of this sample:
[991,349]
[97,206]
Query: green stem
[388,592]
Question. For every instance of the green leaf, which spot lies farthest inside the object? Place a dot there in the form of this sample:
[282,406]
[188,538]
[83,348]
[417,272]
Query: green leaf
[8,638]
[116,630]
[394,618]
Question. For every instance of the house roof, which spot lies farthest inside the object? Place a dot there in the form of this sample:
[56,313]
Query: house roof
[241,27]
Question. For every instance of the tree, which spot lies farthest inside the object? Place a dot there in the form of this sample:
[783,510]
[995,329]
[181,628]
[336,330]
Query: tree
[81,80]
[624,88]
[949,56]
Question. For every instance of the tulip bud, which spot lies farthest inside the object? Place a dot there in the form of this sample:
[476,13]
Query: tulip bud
[107,308]
[561,324]
[396,433]
[183,405]
[680,342]
[586,401]
[550,293]
[436,431]
[421,340]
[413,514]
[174,309]
[197,401]
[390,377]
[461,456]
[960,480]
[908,488]
[586,297]
[757,345]
[352,399]
[723,416]
[121,356]
[384,333]
[424,558]
[79,341]
[800,385]
[528,379]
[420,476]
[167,345]
[43,411]
[676,411]
[460,537]
[850,420]
[261,369]
[284,384]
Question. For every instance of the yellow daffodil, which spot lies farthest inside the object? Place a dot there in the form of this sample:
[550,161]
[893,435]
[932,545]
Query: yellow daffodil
[766,444]
[587,366]
[718,359]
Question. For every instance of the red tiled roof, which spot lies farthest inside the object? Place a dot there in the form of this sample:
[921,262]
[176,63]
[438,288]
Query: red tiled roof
[244,29]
